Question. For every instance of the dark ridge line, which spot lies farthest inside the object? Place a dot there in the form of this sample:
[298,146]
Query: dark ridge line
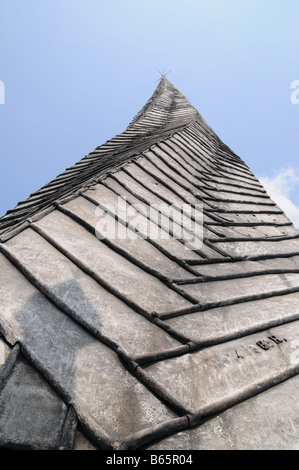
[143,359]
[169,283]
[215,216]
[168,162]
[163,198]
[199,144]
[67,437]
[278,238]
[206,132]
[174,205]
[244,178]
[49,377]
[231,163]
[234,201]
[240,164]
[216,166]
[212,230]
[197,346]
[224,166]
[226,148]
[172,158]
[137,440]
[195,136]
[205,159]
[90,181]
[190,157]
[221,163]
[241,193]
[223,151]
[224,303]
[229,181]
[151,316]
[74,188]
[199,162]
[233,177]
[227,169]
[123,155]
[173,141]
[172,257]
[228,224]
[211,411]
[207,278]
[221,238]
[213,188]
[245,258]
[250,203]
[192,189]
[147,204]
[69,312]
[249,392]
[9,364]
[124,185]
[87,271]
[218,250]
[202,198]
[226,211]
[129,365]
[196,140]
[167,185]
[11,233]
[22,209]
[164,93]
[160,392]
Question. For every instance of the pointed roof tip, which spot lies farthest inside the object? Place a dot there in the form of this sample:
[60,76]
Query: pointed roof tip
[168,100]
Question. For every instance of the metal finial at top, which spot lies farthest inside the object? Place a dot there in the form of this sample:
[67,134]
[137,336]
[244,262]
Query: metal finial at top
[163,75]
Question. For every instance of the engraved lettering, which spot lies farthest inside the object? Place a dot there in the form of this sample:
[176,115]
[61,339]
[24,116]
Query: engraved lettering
[264,344]
[239,356]
[275,339]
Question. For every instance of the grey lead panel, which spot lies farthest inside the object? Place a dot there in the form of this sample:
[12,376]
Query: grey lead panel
[27,398]
[184,335]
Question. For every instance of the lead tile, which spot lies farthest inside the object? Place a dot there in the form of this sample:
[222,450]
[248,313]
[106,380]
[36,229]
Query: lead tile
[254,424]
[129,280]
[31,413]
[226,322]
[236,289]
[106,226]
[110,402]
[85,298]
[213,378]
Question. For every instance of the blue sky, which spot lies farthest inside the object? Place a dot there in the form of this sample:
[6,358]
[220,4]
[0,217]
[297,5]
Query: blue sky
[77,71]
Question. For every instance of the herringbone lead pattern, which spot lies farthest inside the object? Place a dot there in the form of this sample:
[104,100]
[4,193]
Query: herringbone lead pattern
[138,342]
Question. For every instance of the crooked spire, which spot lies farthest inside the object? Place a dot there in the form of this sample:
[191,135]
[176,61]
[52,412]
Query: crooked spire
[167,111]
